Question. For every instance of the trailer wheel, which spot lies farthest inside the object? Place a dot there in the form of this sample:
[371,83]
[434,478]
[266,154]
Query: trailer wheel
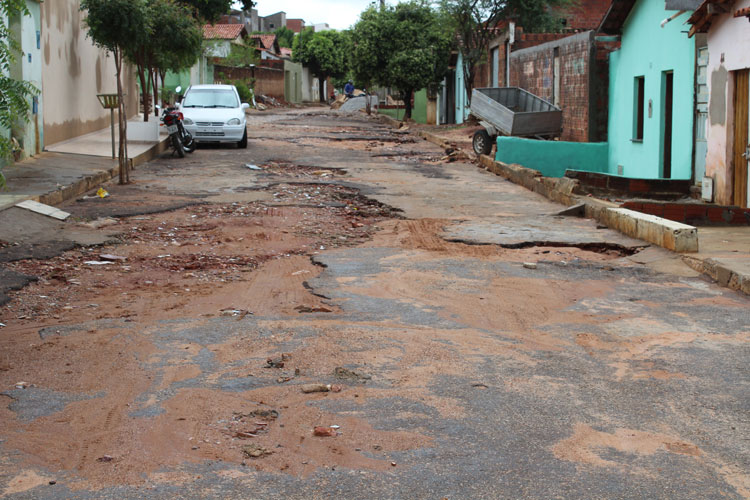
[482,143]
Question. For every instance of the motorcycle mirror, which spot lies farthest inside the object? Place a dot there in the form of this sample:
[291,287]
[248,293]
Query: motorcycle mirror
[178,89]
[158,108]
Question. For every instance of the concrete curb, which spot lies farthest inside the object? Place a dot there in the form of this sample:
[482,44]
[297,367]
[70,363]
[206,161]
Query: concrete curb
[659,231]
[430,137]
[720,272]
[663,232]
[90,182]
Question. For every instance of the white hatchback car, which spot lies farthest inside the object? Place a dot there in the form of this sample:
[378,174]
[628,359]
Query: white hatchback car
[214,113]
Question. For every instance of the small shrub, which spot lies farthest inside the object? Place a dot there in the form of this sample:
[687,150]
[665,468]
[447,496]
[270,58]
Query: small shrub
[243,90]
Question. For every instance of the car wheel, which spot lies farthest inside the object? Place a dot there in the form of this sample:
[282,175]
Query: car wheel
[243,143]
[189,144]
[482,143]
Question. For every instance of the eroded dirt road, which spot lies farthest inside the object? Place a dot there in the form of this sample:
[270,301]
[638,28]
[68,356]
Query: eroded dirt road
[172,362]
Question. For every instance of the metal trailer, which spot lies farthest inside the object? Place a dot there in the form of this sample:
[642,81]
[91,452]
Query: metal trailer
[512,111]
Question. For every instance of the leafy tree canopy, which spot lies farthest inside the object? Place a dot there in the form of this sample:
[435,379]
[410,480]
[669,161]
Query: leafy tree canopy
[285,36]
[210,10]
[14,94]
[472,22]
[179,46]
[406,47]
[324,52]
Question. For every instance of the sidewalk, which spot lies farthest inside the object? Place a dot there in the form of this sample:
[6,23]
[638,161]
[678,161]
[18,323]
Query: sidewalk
[70,168]
[723,251]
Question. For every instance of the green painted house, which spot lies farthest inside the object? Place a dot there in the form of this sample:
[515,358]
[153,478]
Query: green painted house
[651,100]
[651,91]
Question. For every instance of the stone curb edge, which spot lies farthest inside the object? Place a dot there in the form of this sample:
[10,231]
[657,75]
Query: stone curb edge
[663,232]
[90,182]
[428,136]
[720,273]
[656,230]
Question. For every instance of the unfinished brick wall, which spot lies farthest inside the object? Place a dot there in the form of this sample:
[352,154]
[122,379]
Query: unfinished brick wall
[583,82]
[268,81]
[585,14]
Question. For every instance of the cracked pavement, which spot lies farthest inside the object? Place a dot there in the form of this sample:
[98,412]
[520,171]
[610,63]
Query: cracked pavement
[498,351]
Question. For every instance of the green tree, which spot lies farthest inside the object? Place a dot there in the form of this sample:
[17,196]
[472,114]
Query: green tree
[241,56]
[210,10]
[14,94]
[474,23]
[285,36]
[406,47]
[173,43]
[324,52]
[116,25]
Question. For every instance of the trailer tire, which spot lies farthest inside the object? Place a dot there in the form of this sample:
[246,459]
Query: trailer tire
[482,142]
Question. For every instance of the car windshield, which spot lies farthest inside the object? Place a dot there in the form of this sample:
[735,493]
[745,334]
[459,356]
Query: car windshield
[210,98]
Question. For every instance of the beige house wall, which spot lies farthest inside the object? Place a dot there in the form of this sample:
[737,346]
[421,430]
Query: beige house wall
[728,42]
[73,72]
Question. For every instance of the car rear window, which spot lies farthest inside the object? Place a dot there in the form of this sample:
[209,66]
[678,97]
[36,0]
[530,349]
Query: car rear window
[210,98]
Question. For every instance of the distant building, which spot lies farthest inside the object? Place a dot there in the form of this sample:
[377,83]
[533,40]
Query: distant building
[273,22]
[222,36]
[321,27]
[295,25]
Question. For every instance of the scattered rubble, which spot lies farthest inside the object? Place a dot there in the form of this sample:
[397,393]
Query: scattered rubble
[255,451]
[345,374]
[325,431]
[310,388]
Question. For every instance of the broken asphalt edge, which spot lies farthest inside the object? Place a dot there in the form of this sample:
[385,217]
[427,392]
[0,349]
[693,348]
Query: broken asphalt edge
[674,236]
[93,181]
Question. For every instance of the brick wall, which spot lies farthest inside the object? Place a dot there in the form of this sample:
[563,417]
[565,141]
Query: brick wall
[583,81]
[586,14]
[696,214]
[268,81]
[532,69]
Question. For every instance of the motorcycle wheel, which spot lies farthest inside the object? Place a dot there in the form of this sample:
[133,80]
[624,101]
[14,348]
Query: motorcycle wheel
[177,145]
[188,143]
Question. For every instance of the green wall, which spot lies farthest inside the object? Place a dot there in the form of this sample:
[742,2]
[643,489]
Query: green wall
[418,113]
[173,80]
[553,158]
[648,51]
[398,114]
[292,82]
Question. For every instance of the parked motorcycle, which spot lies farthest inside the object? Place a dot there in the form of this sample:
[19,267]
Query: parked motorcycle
[181,139]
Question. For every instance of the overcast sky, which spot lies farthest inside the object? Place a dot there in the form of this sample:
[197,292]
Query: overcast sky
[339,14]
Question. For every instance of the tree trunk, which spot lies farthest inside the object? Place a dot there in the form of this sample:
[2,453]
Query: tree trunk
[155,80]
[321,85]
[469,74]
[145,89]
[407,104]
[122,155]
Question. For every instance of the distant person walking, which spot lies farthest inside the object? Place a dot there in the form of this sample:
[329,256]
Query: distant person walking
[349,89]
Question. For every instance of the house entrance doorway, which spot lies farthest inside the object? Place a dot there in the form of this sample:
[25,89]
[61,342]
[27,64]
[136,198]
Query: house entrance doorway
[741,140]
[668,86]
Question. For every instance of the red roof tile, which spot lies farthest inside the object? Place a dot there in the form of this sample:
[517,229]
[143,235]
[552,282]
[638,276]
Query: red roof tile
[222,31]
[266,41]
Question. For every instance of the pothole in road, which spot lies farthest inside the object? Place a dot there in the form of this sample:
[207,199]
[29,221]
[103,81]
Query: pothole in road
[613,250]
[198,259]
[288,169]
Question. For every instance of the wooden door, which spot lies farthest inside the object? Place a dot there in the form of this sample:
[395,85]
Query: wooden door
[741,146]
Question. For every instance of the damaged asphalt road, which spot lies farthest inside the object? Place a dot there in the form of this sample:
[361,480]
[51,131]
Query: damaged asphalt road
[356,321]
